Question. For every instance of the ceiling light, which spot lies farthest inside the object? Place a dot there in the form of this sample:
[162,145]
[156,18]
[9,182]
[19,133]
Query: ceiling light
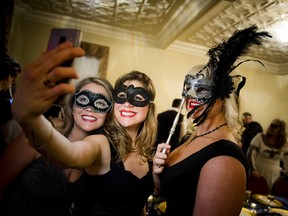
[279,30]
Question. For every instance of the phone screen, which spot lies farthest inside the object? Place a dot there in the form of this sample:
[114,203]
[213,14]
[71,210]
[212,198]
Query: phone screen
[60,35]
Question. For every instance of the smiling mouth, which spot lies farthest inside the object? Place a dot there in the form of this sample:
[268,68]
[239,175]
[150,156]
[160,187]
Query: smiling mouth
[127,114]
[88,118]
[193,104]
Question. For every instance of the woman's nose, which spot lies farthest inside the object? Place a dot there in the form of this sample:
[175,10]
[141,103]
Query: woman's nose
[127,104]
[89,109]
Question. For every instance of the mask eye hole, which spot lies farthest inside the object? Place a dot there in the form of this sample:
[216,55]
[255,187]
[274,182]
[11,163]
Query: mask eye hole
[100,103]
[201,90]
[139,98]
[82,99]
[121,95]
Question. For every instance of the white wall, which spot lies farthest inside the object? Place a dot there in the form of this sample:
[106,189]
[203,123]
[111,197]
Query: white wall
[265,94]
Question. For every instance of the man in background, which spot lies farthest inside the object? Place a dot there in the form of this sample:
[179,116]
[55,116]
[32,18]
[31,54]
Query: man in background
[246,118]
[165,122]
[251,128]
[9,128]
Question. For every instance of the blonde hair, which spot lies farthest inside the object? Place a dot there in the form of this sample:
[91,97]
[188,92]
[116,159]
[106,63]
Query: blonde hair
[233,117]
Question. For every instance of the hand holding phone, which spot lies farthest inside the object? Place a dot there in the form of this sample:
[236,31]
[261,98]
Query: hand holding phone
[60,35]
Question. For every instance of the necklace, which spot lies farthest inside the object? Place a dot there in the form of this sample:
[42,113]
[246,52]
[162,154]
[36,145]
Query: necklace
[197,136]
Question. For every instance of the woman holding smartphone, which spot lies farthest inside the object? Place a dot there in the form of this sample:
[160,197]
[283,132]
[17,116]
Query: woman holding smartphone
[117,164]
[30,183]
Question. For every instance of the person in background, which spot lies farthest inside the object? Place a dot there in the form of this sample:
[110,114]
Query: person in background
[251,128]
[209,167]
[32,185]
[9,70]
[9,129]
[266,152]
[246,118]
[165,122]
[117,178]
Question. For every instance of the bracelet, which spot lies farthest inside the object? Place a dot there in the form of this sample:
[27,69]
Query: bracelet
[46,143]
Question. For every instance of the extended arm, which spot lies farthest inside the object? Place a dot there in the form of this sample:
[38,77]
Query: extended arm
[34,96]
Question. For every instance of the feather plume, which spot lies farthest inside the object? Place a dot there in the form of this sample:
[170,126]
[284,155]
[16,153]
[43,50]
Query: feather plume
[221,63]
[223,55]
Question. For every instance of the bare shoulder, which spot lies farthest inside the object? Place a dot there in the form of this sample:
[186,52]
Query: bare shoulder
[224,178]
[224,164]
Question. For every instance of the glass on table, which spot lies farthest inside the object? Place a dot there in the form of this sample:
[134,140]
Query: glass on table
[247,196]
[246,203]
[270,198]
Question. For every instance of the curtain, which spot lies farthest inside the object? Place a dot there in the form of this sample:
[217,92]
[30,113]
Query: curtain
[87,66]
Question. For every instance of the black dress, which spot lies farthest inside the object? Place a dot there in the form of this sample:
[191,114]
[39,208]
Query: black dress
[179,182]
[42,189]
[115,193]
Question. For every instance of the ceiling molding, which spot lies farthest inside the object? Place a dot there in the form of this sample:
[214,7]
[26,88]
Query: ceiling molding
[187,26]
[178,23]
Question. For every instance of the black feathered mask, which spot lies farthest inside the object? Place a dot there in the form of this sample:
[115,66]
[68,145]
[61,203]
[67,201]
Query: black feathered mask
[213,80]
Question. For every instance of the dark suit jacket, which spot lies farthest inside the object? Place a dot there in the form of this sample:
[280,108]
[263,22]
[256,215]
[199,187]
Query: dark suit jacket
[249,133]
[165,122]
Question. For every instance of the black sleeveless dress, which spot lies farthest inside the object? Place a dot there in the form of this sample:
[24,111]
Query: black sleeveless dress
[179,182]
[42,189]
[115,193]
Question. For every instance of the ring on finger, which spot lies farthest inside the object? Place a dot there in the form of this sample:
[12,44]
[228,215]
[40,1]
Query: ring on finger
[49,83]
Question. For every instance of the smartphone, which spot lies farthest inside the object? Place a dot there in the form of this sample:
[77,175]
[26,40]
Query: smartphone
[60,35]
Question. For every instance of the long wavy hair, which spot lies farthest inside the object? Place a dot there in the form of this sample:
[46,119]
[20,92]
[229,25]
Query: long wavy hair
[69,103]
[232,107]
[282,136]
[146,137]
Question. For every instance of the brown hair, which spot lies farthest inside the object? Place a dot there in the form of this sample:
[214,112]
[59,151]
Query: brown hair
[147,132]
[282,136]
[68,106]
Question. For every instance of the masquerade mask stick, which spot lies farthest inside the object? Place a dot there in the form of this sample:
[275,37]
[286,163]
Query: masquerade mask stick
[171,132]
